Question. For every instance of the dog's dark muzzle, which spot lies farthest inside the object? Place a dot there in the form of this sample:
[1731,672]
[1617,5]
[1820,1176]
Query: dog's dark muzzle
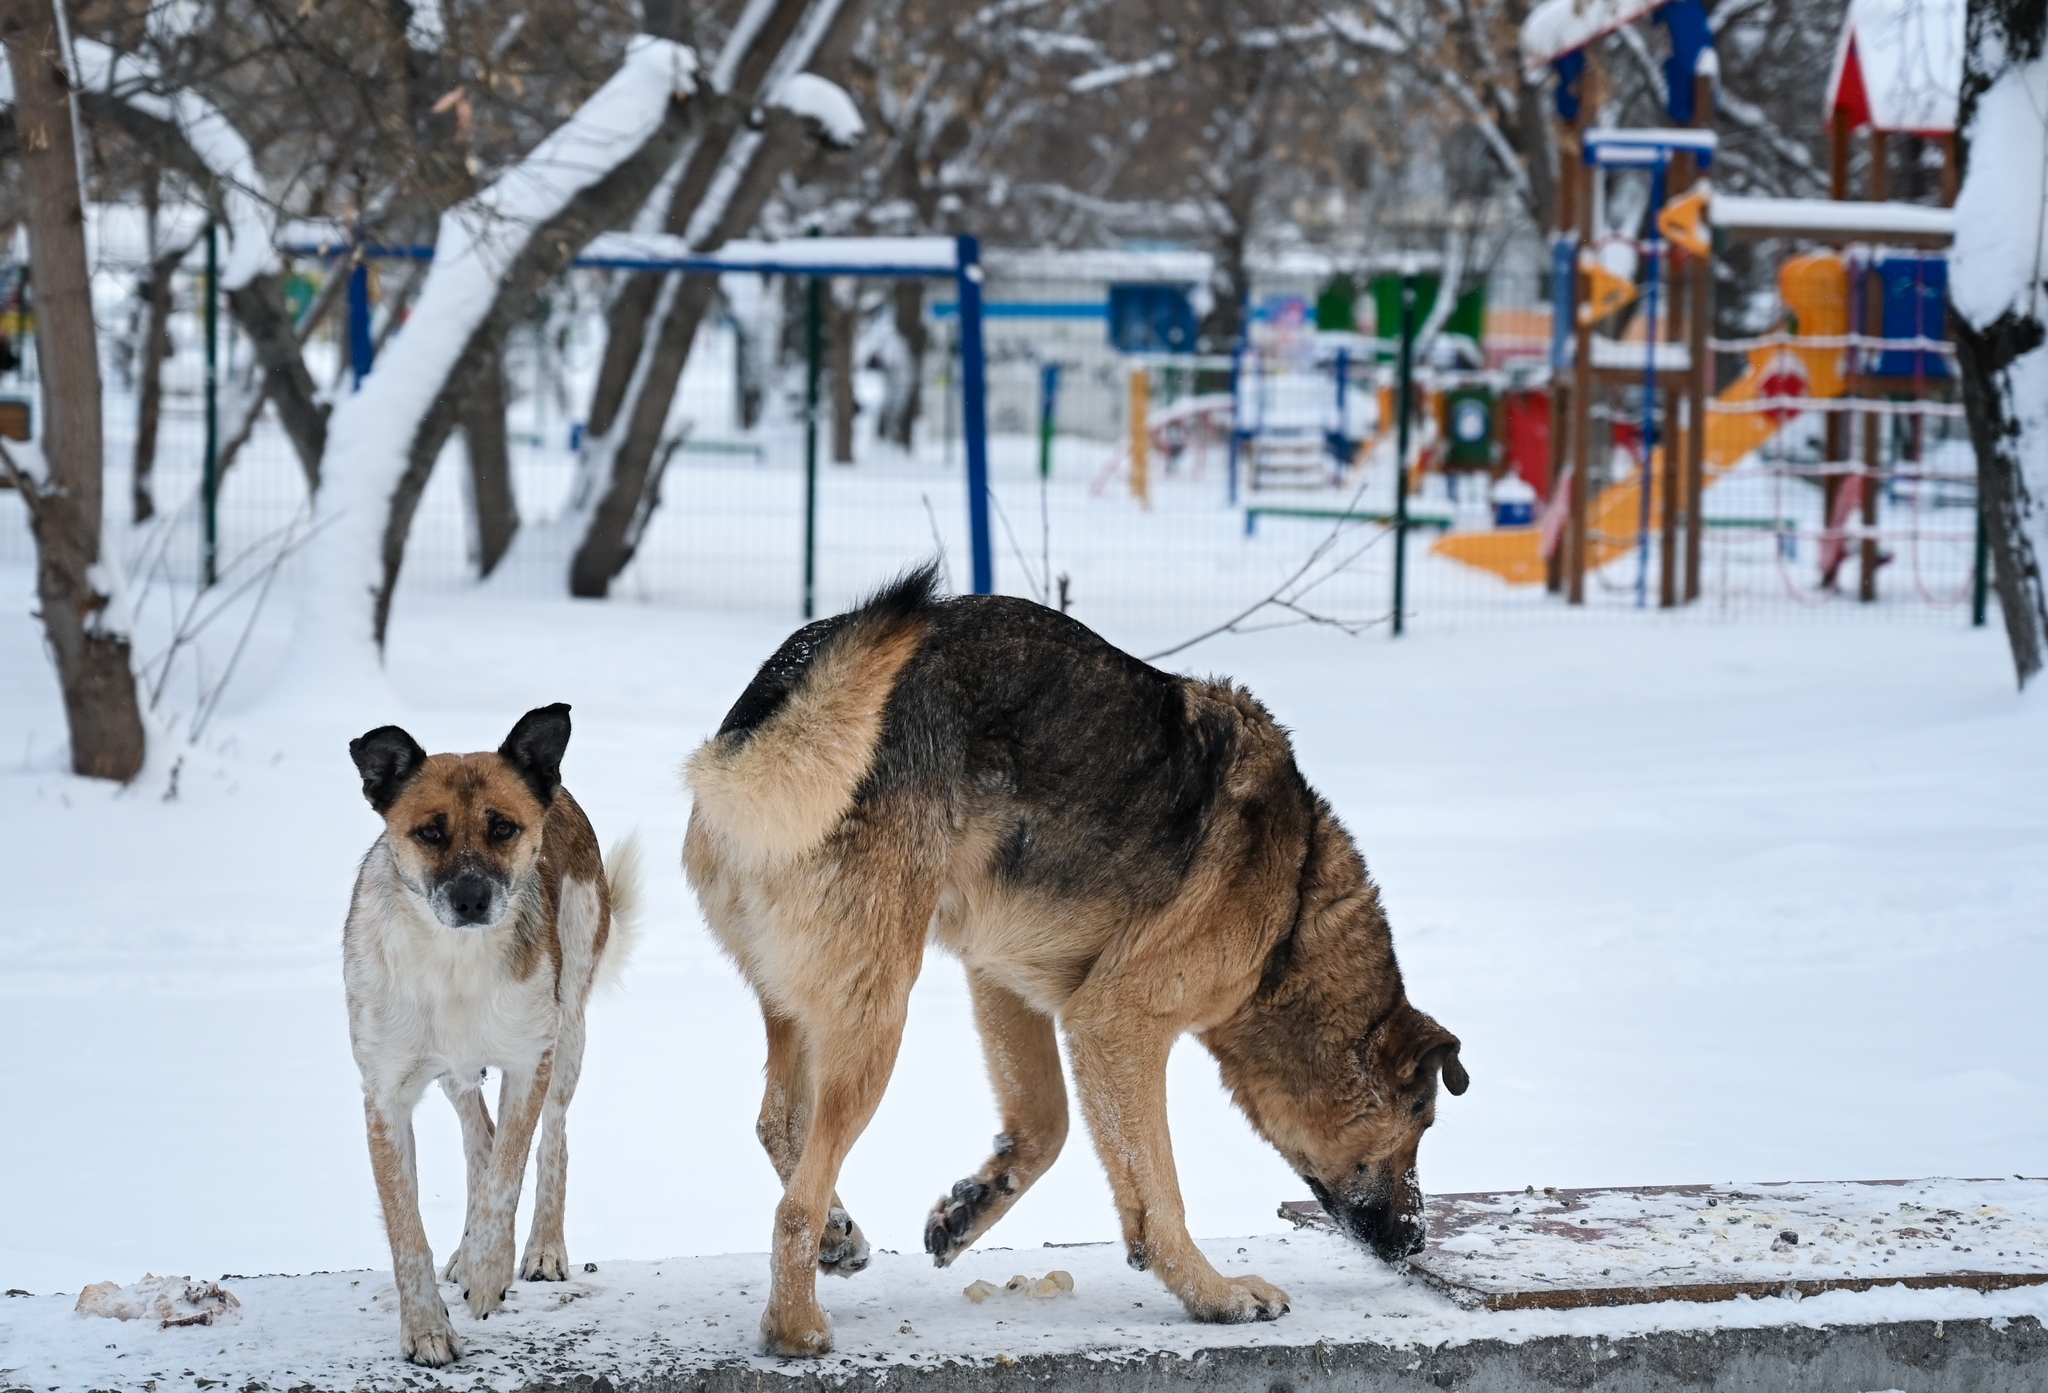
[1391,1231]
[472,898]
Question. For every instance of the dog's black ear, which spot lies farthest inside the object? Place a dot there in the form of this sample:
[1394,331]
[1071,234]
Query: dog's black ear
[387,758]
[1455,1077]
[536,746]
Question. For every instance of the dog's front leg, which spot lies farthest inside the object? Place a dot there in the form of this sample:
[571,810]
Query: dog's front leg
[487,1250]
[424,1334]
[1120,1054]
[467,1098]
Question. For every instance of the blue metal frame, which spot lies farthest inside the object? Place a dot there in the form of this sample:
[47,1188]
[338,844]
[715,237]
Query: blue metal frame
[974,412]
[967,279]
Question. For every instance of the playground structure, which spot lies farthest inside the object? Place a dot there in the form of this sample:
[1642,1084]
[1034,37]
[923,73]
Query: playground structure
[1861,342]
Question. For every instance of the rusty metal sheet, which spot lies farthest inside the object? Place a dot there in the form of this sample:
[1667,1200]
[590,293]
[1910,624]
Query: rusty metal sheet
[1558,1249]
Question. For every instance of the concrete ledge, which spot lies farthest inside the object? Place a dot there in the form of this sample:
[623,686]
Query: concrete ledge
[689,1326]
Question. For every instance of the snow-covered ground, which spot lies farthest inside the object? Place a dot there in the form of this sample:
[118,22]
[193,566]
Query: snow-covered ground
[1706,902]
[340,1330]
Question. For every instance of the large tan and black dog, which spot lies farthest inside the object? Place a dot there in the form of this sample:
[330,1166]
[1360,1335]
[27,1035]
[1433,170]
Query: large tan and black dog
[1126,852]
[480,919]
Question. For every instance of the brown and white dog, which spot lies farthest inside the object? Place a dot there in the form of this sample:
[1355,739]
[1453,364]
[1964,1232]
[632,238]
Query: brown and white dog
[477,928]
[1130,854]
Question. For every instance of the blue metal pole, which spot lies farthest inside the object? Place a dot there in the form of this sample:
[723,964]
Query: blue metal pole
[361,347]
[1656,248]
[974,413]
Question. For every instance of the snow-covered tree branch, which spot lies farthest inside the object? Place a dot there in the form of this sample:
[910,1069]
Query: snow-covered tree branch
[495,250]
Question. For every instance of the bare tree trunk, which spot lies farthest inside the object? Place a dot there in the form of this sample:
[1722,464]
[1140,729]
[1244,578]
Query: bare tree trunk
[100,704]
[259,306]
[645,375]
[1995,311]
[1986,358]
[750,383]
[634,487]
[156,346]
[626,322]
[547,253]
[898,421]
[842,327]
[495,512]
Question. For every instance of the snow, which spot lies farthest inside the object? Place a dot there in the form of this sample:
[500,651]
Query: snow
[1621,353]
[1746,211]
[372,430]
[1910,56]
[938,255]
[2003,204]
[1557,27]
[1115,73]
[633,1319]
[821,100]
[1675,883]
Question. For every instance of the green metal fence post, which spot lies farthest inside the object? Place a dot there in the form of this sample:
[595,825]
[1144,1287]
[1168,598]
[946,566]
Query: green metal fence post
[1404,411]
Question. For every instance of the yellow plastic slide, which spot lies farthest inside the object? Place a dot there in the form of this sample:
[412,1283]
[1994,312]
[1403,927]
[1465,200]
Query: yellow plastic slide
[1815,289]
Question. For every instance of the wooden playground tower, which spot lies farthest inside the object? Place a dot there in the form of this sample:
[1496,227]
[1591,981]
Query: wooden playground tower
[1867,91]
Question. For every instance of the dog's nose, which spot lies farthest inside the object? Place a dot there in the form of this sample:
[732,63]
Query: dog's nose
[470,897]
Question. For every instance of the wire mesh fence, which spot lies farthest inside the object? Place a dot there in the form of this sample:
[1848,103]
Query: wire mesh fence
[1152,495]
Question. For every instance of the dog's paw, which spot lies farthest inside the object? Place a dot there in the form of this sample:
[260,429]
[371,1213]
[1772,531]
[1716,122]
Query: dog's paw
[953,1218]
[804,1334]
[545,1262]
[430,1342]
[843,1250]
[1241,1301]
[487,1278]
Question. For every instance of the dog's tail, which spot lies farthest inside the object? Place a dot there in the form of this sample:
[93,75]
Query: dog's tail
[622,882]
[784,766]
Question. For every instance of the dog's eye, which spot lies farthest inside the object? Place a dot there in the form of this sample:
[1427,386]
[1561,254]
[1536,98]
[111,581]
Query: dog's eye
[429,834]
[503,829]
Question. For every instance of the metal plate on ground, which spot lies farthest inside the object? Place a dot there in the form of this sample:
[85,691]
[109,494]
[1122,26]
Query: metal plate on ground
[1557,1249]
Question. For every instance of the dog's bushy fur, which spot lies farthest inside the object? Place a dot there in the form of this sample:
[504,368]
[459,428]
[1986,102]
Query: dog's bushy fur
[1130,853]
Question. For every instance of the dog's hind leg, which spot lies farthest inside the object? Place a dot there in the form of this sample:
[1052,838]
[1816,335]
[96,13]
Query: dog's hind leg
[581,916]
[785,1116]
[488,1251]
[1120,1053]
[467,1096]
[1024,1067]
[547,1251]
[852,1012]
